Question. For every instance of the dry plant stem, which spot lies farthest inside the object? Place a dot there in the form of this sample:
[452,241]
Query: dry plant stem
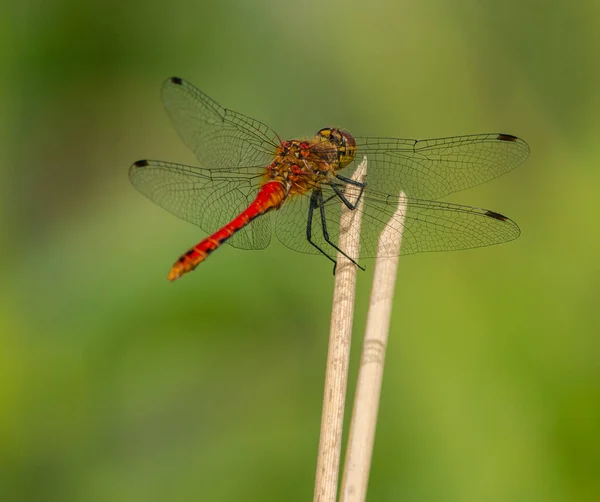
[368,389]
[336,375]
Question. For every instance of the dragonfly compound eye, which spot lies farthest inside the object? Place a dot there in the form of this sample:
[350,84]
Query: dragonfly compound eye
[342,141]
[347,149]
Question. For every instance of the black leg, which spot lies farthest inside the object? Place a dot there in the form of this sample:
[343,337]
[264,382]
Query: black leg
[319,201]
[339,193]
[351,181]
[311,209]
[343,198]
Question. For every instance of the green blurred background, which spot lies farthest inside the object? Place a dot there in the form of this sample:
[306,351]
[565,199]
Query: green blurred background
[117,385]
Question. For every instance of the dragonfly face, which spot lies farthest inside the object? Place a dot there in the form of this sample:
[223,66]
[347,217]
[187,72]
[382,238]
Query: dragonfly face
[340,143]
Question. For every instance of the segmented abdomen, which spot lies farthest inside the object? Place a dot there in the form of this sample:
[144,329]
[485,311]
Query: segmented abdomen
[270,196]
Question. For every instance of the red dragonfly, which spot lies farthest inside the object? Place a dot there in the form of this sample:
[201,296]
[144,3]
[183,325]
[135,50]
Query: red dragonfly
[247,171]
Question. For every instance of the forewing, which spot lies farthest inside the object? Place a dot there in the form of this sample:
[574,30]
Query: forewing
[219,137]
[209,198]
[434,168]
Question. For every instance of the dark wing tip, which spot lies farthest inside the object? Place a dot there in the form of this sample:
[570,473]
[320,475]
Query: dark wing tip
[176,80]
[510,229]
[497,216]
[140,163]
[507,137]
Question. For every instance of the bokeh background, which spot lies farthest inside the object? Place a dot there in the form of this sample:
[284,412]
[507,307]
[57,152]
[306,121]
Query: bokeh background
[117,385]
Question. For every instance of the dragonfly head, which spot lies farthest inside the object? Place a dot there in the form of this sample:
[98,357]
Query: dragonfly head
[342,141]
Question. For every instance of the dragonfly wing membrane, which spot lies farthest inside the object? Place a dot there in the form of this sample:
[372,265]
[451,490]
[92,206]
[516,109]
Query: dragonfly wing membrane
[220,138]
[427,225]
[434,168]
[430,226]
[205,197]
[291,223]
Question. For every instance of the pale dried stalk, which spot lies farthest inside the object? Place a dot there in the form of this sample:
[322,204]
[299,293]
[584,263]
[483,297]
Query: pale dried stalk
[366,399]
[336,376]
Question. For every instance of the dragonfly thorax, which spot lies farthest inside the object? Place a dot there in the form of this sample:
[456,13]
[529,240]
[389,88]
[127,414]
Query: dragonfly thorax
[302,166]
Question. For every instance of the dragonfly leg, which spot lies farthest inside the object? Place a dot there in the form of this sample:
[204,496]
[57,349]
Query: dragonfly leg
[343,198]
[311,210]
[318,195]
[357,183]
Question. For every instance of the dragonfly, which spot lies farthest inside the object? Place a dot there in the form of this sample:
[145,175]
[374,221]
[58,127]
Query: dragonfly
[250,181]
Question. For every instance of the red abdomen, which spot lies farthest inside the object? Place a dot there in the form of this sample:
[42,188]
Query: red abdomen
[270,196]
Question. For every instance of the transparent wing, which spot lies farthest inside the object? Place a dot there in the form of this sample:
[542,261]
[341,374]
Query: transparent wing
[219,137]
[434,168]
[428,225]
[209,198]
